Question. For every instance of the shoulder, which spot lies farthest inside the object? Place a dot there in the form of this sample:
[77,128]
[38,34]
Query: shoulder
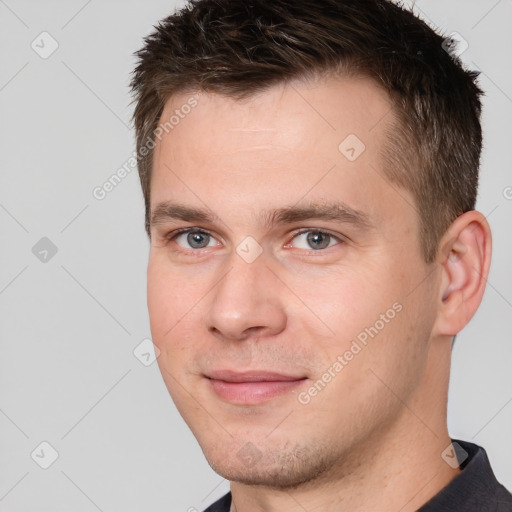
[222,505]
[474,488]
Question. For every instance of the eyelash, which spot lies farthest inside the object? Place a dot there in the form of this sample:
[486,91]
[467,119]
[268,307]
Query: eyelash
[174,234]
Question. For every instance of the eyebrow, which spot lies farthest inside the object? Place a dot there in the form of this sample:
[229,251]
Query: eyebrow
[340,212]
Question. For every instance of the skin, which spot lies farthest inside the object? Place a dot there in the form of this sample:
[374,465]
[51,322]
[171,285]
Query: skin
[372,438]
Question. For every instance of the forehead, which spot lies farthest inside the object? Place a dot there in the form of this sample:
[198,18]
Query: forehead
[286,113]
[318,140]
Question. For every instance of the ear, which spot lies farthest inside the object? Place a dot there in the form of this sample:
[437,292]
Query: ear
[464,257]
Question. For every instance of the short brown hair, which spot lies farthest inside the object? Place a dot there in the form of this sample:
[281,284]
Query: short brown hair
[240,47]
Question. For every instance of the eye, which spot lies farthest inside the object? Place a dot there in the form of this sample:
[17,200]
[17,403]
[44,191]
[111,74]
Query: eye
[315,240]
[193,239]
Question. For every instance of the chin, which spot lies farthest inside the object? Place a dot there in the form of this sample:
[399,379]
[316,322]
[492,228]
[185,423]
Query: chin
[277,467]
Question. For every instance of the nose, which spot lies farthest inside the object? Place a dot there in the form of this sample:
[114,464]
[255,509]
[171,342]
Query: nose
[246,302]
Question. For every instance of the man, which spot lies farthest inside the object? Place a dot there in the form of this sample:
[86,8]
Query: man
[310,174]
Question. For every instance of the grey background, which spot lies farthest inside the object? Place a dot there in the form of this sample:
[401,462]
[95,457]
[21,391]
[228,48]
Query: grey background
[69,326]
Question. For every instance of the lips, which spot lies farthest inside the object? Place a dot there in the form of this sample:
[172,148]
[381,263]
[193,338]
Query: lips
[251,388]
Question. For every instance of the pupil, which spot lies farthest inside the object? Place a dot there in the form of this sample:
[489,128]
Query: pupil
[197,240]
[318,240]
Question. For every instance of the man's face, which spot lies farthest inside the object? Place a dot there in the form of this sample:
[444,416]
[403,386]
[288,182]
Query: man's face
[290,316]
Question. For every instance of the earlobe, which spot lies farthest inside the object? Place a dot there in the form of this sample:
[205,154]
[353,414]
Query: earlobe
[464,257]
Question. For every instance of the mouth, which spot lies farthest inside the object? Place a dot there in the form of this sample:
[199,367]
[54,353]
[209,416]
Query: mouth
[252,388]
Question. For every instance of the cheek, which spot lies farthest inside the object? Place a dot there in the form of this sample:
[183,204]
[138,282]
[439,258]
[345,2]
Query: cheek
[162,303]
[176,301]
[369,316]
[168,304]
[171,299]
[342,302]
